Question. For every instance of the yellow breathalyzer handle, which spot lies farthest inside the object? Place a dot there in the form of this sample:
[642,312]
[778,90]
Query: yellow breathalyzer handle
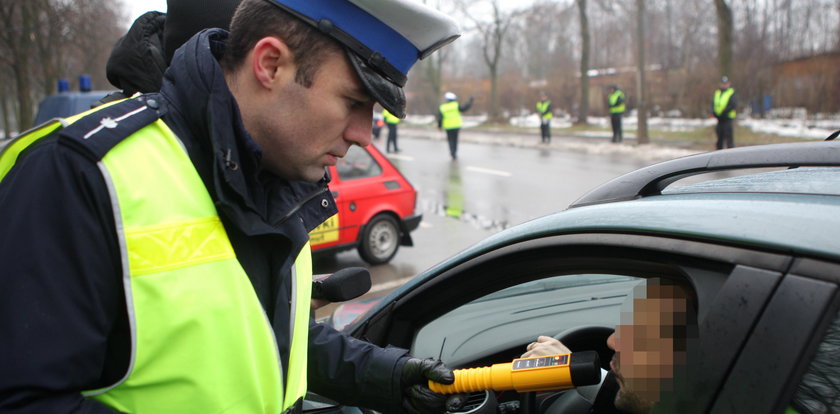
[554,372]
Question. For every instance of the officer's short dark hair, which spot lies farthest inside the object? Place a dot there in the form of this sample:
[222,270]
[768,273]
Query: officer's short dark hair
[256,19]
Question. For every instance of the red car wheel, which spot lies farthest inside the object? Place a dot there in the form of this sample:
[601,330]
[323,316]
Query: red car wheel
[380,240]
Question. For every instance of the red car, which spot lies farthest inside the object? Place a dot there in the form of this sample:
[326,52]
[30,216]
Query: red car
[375,208]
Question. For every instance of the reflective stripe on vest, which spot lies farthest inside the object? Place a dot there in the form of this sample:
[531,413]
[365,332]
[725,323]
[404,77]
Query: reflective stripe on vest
[200,340]
[722,100]
[617,109]
[389,117]
[451,114]
[542,106]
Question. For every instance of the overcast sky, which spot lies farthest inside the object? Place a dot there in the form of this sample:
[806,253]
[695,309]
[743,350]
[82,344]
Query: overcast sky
[138,7]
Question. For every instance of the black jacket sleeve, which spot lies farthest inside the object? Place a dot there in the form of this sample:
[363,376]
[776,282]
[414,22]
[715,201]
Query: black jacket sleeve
[354,372]
[61,296]
[467,106]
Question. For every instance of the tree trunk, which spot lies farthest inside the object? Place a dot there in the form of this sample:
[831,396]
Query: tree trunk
[433,70]
[724,23]
[494,94]
[641,84]
[583,112]
[22,69]
[4,109]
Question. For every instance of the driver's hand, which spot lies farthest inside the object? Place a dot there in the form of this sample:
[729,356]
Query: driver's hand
[417,397]
[545,345]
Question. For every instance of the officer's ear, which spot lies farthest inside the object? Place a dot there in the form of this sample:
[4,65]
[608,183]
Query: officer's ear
[272,62]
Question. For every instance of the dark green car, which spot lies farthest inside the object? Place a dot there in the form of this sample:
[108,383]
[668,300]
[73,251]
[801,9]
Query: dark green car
[759,245]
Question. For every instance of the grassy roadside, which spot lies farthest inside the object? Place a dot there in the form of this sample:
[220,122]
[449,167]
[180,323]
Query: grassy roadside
[705,138]
[702,138]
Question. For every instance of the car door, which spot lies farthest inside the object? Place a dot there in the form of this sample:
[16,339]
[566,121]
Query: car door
[784,342]
[732,286]
[354,180]
[358,182]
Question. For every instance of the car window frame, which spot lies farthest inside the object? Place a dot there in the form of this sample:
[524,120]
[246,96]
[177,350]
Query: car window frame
[374,169]
[399,317]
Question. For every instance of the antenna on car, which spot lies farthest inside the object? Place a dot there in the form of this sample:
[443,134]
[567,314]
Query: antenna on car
[655,178]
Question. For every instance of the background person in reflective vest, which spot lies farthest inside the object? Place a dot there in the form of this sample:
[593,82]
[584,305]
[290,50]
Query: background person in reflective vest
[615,103]
[392,123]
[176,226]
[544,109]
[723,108]
[449,118]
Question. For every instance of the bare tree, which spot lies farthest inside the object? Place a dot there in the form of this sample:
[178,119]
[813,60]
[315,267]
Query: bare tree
[5,103]
[51,45]
[493,32]
[724,23]
[583,111]
[18,18]
[641,83]
[93,28]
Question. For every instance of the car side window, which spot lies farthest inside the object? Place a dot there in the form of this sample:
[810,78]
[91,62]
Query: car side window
[358,163]
[514,316]
[819,391]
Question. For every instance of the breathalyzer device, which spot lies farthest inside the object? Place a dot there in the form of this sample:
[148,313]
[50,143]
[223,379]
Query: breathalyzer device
[546,373]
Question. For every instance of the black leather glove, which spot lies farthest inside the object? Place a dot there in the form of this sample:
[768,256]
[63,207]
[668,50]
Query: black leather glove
[417,397]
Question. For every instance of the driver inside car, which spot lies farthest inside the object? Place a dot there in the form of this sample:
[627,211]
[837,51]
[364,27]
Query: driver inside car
[657,322]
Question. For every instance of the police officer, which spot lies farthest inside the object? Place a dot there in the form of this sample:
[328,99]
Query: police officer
[449,118]
[615,102]
[544,109]
[723,108]
[392,122]
[155,251]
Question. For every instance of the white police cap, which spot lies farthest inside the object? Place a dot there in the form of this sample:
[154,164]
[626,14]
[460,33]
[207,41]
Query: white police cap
[383,38]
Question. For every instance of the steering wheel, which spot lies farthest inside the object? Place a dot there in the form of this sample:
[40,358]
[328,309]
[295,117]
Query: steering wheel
[580,399]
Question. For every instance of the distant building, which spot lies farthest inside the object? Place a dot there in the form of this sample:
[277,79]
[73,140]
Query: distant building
[810,82]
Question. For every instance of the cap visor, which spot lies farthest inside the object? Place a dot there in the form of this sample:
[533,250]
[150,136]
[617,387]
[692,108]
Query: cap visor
[388,94]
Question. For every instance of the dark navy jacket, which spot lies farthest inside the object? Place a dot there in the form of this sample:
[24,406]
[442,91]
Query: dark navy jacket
[63,322]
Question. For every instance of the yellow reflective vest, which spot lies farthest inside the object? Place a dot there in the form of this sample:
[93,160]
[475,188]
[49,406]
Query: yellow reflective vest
[200,340]
[613,98]
[722,100]
[542,107]
[451,114]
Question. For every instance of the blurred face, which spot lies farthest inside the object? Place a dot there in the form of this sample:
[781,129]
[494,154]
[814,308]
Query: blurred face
[302,130]
[644,349]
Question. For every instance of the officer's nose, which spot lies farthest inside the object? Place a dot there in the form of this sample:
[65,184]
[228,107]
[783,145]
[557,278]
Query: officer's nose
[358,129]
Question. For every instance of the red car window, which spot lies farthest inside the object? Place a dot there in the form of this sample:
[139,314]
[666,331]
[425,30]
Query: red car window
[357,164]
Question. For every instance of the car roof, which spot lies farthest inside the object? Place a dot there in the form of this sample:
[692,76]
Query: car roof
[790,223]
[654,179]
[802,180]
[65,104]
